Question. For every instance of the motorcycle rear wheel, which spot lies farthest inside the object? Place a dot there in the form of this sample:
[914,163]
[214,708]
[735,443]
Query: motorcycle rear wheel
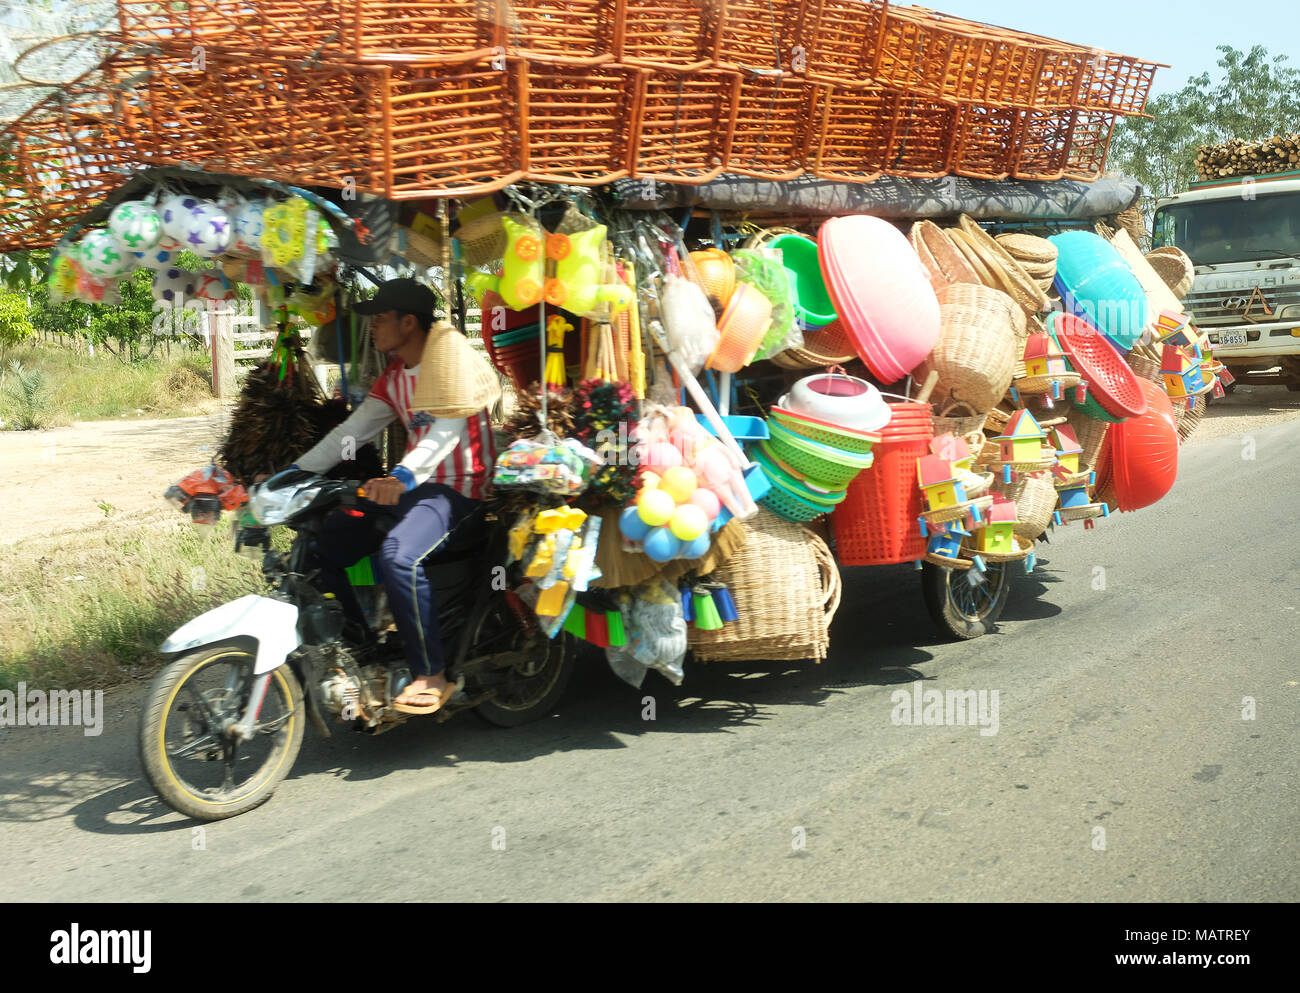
[531,689]
[183,745]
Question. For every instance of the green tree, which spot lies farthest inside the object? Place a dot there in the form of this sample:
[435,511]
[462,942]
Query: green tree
[1255,96]
[15,324]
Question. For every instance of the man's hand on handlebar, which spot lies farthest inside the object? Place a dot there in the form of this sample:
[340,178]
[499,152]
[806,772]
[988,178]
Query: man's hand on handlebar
[385,491]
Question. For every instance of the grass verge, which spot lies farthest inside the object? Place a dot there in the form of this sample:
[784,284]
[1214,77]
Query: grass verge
[89,609]
[84,388]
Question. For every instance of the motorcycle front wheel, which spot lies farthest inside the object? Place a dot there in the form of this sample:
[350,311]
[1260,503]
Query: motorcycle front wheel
[189,758]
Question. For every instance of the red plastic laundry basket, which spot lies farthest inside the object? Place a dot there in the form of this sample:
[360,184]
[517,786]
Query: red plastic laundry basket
[876,522]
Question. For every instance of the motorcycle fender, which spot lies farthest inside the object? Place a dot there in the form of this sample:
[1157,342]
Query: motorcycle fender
[272,624]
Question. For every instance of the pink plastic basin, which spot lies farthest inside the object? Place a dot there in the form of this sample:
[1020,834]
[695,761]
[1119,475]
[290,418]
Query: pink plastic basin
[881,293]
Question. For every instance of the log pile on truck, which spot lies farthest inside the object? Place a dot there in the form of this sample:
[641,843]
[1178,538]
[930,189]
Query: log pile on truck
[1235,157]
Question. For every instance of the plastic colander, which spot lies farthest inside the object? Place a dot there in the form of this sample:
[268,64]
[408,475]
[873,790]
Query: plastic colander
[1110,380]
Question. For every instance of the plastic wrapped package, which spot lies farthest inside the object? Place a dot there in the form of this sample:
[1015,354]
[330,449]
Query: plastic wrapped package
[656,634]
[762,269]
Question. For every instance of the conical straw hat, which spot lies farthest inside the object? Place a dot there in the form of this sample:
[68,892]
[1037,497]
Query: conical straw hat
[455,380]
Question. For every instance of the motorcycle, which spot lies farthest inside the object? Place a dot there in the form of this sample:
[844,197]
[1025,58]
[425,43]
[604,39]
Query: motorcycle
[225,718]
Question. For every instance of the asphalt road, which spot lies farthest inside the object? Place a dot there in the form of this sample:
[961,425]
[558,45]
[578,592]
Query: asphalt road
[1122,667]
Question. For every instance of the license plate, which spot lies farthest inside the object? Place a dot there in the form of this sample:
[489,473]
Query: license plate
[1233,337]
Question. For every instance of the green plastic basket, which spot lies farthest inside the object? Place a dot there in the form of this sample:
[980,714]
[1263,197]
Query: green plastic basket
[827,465]
[793,485]
[822,434]
[774,463]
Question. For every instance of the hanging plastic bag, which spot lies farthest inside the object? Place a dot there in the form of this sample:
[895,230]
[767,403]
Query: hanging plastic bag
[762,269]
[688,321]
[658,629]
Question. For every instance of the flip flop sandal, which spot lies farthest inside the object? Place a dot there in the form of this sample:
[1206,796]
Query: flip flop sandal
[442,698]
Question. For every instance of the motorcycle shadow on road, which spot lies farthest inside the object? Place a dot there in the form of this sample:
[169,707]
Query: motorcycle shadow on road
[879,637]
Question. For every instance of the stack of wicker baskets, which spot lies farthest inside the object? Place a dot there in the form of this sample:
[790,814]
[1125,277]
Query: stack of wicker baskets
[786,587]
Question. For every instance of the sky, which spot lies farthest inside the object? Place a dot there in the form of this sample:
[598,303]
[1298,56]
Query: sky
[1181,33]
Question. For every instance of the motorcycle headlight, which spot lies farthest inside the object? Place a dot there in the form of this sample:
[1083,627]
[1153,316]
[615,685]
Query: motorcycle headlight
[275,506]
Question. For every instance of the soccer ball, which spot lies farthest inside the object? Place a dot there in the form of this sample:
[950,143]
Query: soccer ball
[174,285]
[247,237]
[175,212]
[155,258]
[207,232]
[101,256]
[135,225]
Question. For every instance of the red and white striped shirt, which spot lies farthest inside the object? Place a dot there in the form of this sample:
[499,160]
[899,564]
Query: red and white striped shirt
[456,451]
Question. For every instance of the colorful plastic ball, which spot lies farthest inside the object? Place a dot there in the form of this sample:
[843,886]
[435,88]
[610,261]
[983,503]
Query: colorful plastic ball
[707,501]
[246,238]
[207,233]
[211,287]
[679,483]
[661,455]
[696,547]
[655,507]
[175,212]
[174,285]
[630,523]
[155,258]
[688,522]
[101,256]
[661,545]
[649,480]
[135,225]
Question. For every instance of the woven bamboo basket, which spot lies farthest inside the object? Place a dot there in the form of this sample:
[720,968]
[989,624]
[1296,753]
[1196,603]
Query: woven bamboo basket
[455,380]
[1090,434]
[774,119]
[786,587]
[826,346]
[1145,366]
[951,420]
[674,33]
[976,351]
[688,121]
[1188,419]
[1009,274]
[943,261]
[1035,498]
[1174,266]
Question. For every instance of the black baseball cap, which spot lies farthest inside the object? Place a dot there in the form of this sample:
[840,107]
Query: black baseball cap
[405,295]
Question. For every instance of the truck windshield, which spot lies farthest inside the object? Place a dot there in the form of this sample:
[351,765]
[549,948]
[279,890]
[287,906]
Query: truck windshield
[1236,230]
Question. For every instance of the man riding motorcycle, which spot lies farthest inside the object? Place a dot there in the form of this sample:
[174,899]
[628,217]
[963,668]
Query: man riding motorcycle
[436,486]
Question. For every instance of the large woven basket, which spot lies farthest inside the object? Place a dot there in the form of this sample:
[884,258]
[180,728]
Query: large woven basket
[1090,433]
[786,587]
[977,348]
[1174,267]
[940,258]
[961,420]
[1035,499]
[1145,366]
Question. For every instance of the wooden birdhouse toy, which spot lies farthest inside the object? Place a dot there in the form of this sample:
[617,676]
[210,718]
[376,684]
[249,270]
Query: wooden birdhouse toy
[1067,448]
[1175,329]
[997,532]
[939,483]
[1074,496]
[946,545]
[1043,357]
[1022,439]
[1181,373]
[953,450]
